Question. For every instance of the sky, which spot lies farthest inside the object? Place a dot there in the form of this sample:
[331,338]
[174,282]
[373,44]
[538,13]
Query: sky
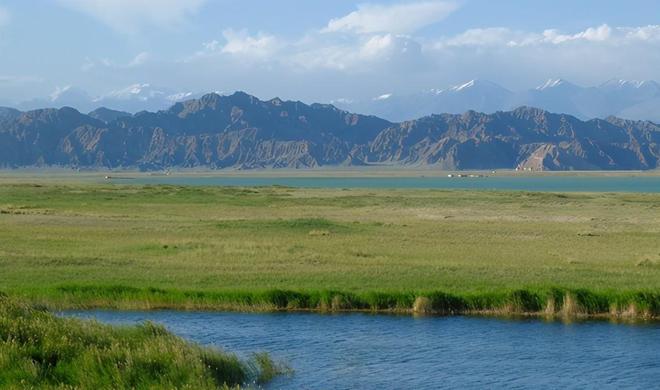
[318,50]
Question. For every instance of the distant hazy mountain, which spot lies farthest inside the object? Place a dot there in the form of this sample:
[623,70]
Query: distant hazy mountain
[242,131]
[142,97]
[134,98]
[628,99]
[62,97]
[558,96]
[633,99]
[478,95]
[638,100]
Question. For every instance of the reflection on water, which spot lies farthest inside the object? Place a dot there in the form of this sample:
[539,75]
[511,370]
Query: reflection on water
[362,351]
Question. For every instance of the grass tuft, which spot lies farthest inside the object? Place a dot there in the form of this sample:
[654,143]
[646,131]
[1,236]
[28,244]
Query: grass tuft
[40,350]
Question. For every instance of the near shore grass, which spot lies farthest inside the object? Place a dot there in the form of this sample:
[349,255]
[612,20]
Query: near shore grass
[274,248]
[40,350]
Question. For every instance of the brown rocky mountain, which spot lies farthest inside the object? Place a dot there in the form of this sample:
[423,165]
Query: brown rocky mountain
[242,131]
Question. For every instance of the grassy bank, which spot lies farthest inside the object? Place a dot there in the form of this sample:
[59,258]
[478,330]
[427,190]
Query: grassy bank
[272,248]
[40,350]
[556,302]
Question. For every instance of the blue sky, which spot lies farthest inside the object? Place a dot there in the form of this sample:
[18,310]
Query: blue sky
[320,50]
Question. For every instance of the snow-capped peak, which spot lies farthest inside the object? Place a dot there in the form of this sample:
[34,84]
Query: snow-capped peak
[551,83]
[383,97]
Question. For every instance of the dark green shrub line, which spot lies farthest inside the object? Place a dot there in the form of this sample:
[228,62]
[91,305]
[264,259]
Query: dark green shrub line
[548,301]
[40,350]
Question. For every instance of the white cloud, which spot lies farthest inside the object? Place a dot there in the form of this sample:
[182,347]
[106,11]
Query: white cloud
[501,36]
[5,16]
[594,34]
[130,16]
[241,43]
[649,33]
[362,54]
[480,37]
[397,18]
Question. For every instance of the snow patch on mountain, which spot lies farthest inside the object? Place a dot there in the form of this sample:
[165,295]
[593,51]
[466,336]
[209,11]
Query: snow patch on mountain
[551,83]
[461,87]
[383,97]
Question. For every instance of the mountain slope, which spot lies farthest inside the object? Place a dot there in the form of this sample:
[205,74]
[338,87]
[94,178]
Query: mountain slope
[242,131]
[7,113]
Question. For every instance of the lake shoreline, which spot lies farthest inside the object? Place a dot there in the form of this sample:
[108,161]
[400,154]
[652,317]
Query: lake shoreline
[551,303]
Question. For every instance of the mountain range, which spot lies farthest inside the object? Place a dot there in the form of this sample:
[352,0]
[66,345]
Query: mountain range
[638,100]
[241,131]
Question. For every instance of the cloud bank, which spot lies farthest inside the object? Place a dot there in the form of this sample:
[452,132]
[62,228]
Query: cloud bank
[603,34]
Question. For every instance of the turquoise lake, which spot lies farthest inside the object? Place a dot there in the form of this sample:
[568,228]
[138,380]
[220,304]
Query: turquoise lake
[649,184]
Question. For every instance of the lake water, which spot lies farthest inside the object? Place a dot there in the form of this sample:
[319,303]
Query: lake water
[526,183]
[362,351]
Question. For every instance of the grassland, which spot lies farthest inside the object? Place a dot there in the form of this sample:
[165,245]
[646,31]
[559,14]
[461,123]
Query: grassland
[40,350]
[80,245]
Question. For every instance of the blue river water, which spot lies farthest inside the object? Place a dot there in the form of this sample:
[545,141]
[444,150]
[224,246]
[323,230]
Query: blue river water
[363,351]
[525,183]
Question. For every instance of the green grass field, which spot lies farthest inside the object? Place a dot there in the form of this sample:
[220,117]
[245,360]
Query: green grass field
[103,245]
